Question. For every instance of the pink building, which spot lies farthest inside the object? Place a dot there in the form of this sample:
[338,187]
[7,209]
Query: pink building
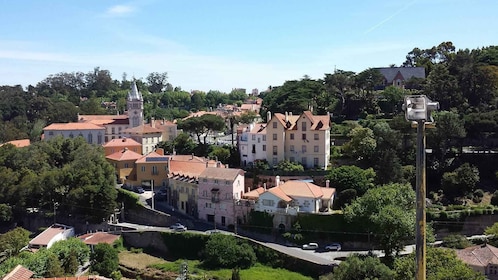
[220,193]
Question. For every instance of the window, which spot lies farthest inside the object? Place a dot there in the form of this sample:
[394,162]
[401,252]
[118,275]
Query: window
[303,126]
[205,194]
[274,124]
[90,138]
[126,165]
[154,170]
[113,130]
[264,148]
[274,136]
[292,148]
[268,202]
[292,136]
[99,139]
[303,161]
[315,161]
[253,137]
[143,168]
[216,181]
[71,135]
[304,136]
[275,150]
[315,149]
[264,137]
[316,136]
[253,148]
[303,148]
[259,140]
[50,133]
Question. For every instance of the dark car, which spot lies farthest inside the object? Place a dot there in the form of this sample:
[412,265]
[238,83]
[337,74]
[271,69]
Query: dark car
[138,189]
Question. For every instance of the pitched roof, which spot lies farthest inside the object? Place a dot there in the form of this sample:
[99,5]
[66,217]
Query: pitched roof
[480,255]
[98,237]
[142,129]
[277,191]
[221,173]
[302,189]
[18,143]
[44,238]
[390,73]
[153,157]
[19,273]
[161,124]
[189,165]
[122,142]
[124,155]
[74,126]
[254,194]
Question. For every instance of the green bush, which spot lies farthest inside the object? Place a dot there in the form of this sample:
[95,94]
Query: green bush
[456,241]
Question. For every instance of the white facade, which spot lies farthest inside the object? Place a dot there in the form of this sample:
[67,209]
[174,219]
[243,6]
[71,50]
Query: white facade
[252,144]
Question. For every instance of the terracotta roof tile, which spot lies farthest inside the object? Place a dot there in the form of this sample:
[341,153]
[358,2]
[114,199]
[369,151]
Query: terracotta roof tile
[302,189]
[124,155]
[153,157]
[142,129]
[19,273]
[277,191]
[122,142]
[480,255]
[74,126]
[44,238]
[85,118]
[221,173]
[254,194]
[98,237]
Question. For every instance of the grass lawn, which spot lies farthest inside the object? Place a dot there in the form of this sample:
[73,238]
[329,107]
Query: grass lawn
[141,261]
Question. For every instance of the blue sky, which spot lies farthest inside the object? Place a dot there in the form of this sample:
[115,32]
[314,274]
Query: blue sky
[224,44]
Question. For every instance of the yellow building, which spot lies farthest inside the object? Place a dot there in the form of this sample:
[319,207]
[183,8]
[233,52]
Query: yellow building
[124,164]
[152,170]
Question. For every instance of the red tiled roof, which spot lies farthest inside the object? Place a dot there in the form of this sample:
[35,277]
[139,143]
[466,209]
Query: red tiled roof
[303,189]
[122,142]
[124,155]
[19,273]
[85,118]
[280,194]
[44,238]
[254,193]
[221,173]
[479,255]
[157,158]
[74,126]
[142,129]
[98,237]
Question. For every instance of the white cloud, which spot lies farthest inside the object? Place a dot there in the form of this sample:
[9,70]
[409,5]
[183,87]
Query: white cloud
[119,10]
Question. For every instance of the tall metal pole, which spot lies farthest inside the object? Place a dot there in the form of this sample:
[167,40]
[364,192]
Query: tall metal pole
[152,188]
[420,189]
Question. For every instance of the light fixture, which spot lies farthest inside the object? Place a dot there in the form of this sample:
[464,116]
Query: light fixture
[419,108]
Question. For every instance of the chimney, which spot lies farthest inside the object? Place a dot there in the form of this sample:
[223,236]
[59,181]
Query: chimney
[277,181]
[286,117]
[268,116]
[192,156]
[152,122]
[264,186]
[327,183]
[218,164]
[226,166]
[207,164]
[160,151]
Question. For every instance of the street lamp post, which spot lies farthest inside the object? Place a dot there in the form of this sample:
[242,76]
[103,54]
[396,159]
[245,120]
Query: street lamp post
[418,109]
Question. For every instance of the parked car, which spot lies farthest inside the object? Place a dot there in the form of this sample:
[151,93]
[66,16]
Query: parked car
[310,246]
[127,187]
[333,247]
[178,227]
[138,189]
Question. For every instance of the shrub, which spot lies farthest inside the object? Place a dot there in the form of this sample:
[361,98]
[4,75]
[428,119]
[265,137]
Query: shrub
[456,241]
[494,199]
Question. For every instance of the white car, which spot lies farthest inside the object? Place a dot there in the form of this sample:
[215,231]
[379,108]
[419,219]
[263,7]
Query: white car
[310,246]
[178,227]
[333,247]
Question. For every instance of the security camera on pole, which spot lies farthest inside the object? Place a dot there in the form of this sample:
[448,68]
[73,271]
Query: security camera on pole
[418,109]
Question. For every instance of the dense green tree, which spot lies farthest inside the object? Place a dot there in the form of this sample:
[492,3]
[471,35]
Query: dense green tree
[237,95]
[442,264]
[288,166]
[362,144]
[441,86]
[215,98]
[389,213]
[197,101]
[203,125]
[460,181]
[456,241]
[225,251]
[157,82]
[247,117]
[351,177]
[13,241]
[340,84]
[361,267]
[104,259]
[70,250]
[221,153]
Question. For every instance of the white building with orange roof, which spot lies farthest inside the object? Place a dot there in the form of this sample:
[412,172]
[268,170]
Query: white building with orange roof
[169,129]
[49,236]
[252,143]
[292,197]
[92,133]
[119,144]
[124,164]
